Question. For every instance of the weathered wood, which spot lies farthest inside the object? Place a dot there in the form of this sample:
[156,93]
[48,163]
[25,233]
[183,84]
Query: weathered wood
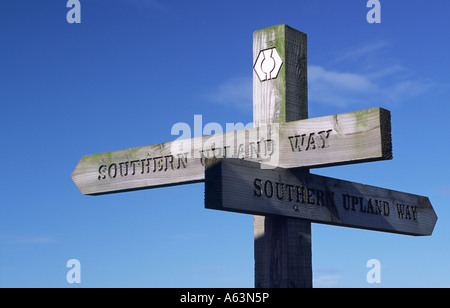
[242,186]
[335,140]
[282,246]
[284,98]
[318,142]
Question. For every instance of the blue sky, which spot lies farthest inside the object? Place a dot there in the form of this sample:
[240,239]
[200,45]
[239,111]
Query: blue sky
[132,69]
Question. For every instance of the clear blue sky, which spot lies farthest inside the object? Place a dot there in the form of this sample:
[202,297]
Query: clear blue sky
[132,69]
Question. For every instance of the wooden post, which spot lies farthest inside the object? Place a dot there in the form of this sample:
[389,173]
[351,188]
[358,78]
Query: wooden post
[283,256]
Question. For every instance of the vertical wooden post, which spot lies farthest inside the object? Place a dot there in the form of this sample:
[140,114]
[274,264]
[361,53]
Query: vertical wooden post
[282,245]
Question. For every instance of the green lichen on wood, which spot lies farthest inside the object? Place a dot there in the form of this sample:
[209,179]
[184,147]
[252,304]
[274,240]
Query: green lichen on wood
[362,117]
[275,36]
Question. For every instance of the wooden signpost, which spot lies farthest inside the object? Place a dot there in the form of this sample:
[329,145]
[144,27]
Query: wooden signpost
[265,170]
[243,187]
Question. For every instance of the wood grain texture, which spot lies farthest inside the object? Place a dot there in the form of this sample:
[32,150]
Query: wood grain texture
[332,140]
[346,138]
[284,98]
[282,245]
[246,188]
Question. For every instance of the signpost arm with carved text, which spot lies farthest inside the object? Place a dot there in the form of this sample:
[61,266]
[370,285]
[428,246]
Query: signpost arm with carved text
[345,138]
[242,186]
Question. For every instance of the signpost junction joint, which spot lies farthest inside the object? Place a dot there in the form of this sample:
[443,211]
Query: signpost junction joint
[265,170]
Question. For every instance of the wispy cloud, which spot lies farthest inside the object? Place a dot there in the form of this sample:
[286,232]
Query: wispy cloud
[338,88]
[327,278]
[327,281]
[364,75]
[235,92]
[375,78]
[26,239]
[359,53]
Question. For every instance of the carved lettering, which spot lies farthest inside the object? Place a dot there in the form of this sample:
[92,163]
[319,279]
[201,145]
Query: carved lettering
[414,212]
[133,166]
[145,163]
[182,160]
[324,138]
[241,151]
[123,173]
[370,206]
[386,209]
[307,196]
[272,147]
[102,172]
[144,166]
[258,188]
[297,142]
[158,163]
[293,193]
[225,151]
[268,185]
[407,212]
[280,193]
[112,171]
[169,162]
[310,195]
[353,203]
[345,203]
[300,194]
[289,189]
[311,141]
[253,150]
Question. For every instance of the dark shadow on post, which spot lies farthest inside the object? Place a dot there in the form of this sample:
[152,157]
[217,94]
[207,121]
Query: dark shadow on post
[283,257]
